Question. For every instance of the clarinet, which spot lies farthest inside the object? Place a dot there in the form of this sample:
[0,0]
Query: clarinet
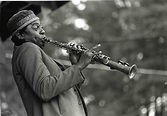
[98,57]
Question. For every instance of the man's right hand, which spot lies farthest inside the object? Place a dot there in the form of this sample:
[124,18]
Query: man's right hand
[86,58]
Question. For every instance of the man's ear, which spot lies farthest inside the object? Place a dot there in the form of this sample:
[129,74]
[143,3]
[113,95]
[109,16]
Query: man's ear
[20,36]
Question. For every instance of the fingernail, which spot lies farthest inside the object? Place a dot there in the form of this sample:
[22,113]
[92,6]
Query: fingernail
[98,45]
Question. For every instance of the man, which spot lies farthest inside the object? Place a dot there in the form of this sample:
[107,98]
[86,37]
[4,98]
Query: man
[46,88]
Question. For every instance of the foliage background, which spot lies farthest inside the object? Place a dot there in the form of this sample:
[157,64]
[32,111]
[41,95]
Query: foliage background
[134,31]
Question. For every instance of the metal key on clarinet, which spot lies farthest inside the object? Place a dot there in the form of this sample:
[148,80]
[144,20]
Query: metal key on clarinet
[98,57]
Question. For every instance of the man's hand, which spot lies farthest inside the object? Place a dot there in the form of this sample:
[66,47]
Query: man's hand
[74,58]
[86,58]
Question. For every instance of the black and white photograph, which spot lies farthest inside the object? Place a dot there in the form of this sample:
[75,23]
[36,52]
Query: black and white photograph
[83,58]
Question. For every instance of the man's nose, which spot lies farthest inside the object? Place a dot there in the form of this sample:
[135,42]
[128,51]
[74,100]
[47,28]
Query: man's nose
[42,31]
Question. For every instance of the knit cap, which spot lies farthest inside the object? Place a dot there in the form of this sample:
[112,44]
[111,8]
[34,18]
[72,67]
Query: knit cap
[19,20]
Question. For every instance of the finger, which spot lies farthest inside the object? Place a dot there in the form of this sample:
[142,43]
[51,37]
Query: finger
[98,45]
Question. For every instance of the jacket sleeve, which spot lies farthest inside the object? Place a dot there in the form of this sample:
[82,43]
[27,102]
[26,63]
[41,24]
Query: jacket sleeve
[45,85]
[63,68]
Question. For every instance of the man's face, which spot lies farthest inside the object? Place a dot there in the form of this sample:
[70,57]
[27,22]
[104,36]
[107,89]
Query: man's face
[34,33]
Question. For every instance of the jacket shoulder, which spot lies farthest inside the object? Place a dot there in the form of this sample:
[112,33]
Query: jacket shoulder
[29,45]
[27,48]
